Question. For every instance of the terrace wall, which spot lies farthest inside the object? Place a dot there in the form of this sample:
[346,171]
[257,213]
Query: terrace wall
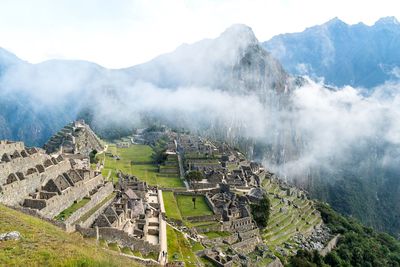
[112,235]
[96,198]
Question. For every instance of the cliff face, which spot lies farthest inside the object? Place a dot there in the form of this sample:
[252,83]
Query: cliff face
[234,62]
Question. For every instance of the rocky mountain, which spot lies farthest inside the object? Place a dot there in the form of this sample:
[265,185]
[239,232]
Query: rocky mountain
[358,55]
[234,62]
[46,96]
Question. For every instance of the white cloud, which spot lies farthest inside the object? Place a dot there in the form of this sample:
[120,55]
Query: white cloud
[126,32]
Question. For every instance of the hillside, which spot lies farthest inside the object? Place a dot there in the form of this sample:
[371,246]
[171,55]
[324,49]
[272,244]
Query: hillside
[43,244]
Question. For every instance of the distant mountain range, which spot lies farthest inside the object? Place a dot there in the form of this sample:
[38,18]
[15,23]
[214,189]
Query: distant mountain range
[342,54]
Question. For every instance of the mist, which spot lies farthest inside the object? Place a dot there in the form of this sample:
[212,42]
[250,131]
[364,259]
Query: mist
[326,126]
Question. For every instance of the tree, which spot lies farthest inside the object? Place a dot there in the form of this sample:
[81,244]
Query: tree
[261,211]
[92,156]
[194,176]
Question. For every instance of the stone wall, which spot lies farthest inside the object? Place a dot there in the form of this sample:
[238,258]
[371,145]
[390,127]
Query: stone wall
[331,245]
[204,218]
[276,263]
[246,246]
[58,203]
[9,146]
[208,228]
[19,165]
[249,234]
[241,225]
[112,235]
[203,185]
[90,220]
[220,240]
[96,198]
[211,205]
[14,193]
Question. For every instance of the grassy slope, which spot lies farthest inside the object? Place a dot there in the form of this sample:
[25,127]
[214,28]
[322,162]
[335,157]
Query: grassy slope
[179,248]
[43,244]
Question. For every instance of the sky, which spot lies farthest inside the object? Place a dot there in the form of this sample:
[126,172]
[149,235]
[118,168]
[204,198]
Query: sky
[123,33]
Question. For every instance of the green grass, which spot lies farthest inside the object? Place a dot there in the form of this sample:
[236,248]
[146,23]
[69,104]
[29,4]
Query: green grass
[171,207]
[137,160]
[95,208]
[185,205]
[288,223]
[213,234]
[196,246]
[126,250]
[139,154]
[43,244]
[179,248]
[65,214]
[114,246]
[207,263]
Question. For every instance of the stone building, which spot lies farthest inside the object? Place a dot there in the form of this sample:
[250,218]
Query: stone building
[75,138]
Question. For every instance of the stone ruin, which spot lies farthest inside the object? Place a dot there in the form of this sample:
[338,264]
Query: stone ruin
[236,218]
[44,185]
[132,219]
[75,138]
[219,258]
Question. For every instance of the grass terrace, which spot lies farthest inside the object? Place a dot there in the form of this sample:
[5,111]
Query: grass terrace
[137,160]
[171,206]
[186,208]
[65,214]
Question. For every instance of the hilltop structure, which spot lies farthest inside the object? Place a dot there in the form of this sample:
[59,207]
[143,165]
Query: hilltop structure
[75,138]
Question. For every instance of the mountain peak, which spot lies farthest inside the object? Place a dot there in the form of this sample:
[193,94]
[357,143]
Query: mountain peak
[387,21]
[335,22]
[239,33]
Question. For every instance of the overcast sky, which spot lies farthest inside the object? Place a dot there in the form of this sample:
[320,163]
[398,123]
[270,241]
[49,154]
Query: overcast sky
[123,33]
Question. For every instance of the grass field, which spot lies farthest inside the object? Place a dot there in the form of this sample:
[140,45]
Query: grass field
[213,234]
[137,160]
[171,207]
[43,244]
[186,208]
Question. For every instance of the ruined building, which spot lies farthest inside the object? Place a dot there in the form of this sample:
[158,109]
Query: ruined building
[74,138]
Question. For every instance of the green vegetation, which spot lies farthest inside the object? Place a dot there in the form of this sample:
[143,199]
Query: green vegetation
[283,224]
[136,160]
[179,248]
[194,176]
[92,156]
[357,246]
[213,234]
[95,208]
[171,207]
[113,246]
[260,211]
[159,149]
[127,251]
[69,211]
[185,205]
[43,244]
